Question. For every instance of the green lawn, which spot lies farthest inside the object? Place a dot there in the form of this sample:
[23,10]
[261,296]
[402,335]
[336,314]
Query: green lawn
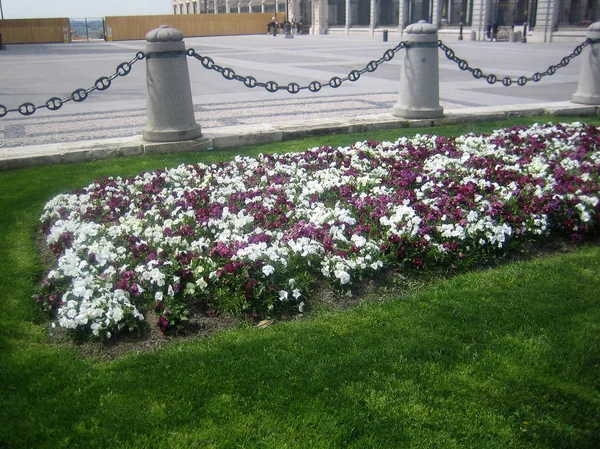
[499,358]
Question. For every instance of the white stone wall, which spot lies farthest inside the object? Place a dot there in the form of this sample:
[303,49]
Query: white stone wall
[480,18]
[546,17]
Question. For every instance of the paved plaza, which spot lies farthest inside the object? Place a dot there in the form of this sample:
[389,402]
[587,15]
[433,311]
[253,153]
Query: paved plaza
[35,73]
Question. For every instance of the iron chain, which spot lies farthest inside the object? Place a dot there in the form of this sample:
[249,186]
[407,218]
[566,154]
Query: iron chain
[78,95]
[124,69]
[294,88]
[522,80]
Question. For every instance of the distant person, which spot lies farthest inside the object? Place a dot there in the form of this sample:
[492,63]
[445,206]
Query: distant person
[488,30]
[274,25]
[494,31]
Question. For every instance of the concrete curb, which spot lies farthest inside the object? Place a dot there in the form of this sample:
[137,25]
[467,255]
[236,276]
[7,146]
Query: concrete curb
[242,136]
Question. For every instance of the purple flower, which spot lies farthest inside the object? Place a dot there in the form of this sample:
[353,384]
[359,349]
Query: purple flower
[163,323]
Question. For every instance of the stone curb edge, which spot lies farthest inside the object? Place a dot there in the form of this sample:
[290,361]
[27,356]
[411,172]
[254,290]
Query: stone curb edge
[249,135]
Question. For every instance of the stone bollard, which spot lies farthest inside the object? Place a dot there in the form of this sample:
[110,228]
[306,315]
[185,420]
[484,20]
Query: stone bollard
[419,76]
[170,107]
[588,88]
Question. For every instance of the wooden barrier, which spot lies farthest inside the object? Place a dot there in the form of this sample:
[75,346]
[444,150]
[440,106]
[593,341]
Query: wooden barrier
[33,31]
[120,28]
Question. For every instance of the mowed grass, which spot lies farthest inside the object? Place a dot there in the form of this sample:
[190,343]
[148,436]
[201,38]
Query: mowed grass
[499,358]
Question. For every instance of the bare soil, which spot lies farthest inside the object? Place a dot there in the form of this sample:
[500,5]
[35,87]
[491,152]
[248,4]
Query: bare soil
[392,284]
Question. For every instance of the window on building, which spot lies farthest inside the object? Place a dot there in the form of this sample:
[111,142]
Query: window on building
[360,12]
[336,12]
[388,13]
[579,13]
[456,11]
[305,12]
[419,10]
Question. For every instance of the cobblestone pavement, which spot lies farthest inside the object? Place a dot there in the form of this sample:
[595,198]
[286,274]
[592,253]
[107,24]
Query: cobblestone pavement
[34,73]
[18,131]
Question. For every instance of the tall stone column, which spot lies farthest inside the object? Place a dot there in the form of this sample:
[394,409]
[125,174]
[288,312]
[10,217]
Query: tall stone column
[372,21]
[170,109]
[588,88]
[479,18]
[545,19]
[402,15]
[436,13]
[419,76]
[319,17]
[295,10]
[348,23]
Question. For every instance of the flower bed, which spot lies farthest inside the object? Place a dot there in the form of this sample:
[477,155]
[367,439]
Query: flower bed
[252,235]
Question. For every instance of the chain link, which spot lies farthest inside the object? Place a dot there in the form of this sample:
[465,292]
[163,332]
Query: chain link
[522,80]
[78,95]
[123,69]
[294,88]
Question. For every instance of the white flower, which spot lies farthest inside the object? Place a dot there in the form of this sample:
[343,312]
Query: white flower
[268,270]
[359,240]
[190,289]
[343,276]
[200,282]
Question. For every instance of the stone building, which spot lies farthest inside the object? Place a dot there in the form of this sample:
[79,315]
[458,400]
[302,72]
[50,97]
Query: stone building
[542,20]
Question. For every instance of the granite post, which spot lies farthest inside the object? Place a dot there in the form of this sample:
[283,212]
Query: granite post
[419,76]
[170,109]
[588,88]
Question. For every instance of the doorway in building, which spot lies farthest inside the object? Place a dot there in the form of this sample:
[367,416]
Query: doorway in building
[87,29]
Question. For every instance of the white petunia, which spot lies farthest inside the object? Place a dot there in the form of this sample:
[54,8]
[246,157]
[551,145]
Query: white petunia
[268,270]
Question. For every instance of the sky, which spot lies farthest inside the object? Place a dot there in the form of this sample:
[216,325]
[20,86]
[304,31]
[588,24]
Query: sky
[74,9]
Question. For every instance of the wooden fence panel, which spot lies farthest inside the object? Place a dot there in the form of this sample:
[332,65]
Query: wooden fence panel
[34,31]
[120,28]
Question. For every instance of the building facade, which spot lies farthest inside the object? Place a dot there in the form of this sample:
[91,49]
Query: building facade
[538,20]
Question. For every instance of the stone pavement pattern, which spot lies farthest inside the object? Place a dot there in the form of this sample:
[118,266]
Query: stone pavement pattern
[34,73]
